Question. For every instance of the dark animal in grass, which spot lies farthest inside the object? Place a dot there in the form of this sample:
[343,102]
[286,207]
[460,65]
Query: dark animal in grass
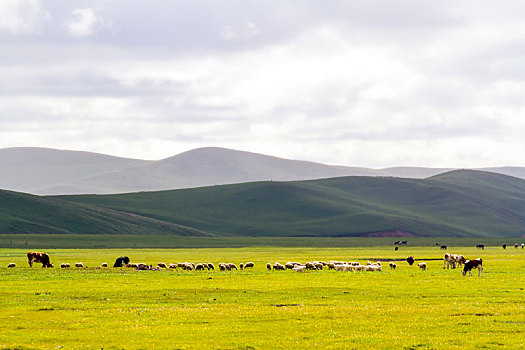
[121,261]
[481,246]
[473,264]
[504,245]
[39,257]
[443,247]
[516,245]
[410,260]
[396,248]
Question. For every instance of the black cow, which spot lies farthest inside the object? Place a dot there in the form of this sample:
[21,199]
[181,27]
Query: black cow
[473,264]
[443,247]
[481,246]
[504,245]
[410,260]
[121,261]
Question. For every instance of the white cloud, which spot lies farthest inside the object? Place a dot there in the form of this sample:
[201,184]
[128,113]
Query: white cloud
[22,16]
[355,83]
[240,32]
[84,23]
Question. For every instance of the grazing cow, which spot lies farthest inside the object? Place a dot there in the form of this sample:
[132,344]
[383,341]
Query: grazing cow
[392,265]
[443,247]
[79,264]
[11,265]
[449,260]
[473,264]
[400,243]
[422,266]
[121,261]
[460,260]
[104,264]
[504,245]
[481,246]
[39,258]
[396,248]
[410,260]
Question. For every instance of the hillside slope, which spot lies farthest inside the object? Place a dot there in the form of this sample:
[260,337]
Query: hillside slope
[451,205]
[55,172]
[207,167]
[24,213]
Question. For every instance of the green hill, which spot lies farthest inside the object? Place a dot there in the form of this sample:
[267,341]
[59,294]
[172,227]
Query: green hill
[458,203]
[24,213]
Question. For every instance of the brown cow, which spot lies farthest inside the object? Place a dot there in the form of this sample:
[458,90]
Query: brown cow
[39,258]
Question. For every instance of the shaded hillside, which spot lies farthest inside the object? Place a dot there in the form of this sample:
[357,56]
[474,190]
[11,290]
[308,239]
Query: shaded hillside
[451,205]
[23,213]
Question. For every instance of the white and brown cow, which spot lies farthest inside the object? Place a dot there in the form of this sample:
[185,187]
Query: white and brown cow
[449,260]
[473,264]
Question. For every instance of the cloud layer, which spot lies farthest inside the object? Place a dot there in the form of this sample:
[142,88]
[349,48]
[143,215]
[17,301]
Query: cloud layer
[357,83]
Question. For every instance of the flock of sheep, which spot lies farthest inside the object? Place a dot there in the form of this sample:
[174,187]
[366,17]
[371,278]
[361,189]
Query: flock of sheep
[186,266]
[331,265]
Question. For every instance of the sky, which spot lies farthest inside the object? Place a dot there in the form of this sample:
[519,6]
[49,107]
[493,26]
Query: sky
[357,83]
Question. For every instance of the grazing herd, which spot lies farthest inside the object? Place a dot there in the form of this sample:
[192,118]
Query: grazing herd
[342,266]
[450,261]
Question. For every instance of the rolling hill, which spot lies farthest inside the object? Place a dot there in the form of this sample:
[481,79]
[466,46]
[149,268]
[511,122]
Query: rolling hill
[458,203]
[34,170]
[55,172]
[24,213]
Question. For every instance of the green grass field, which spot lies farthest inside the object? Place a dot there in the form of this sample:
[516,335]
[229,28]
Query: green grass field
[126,309]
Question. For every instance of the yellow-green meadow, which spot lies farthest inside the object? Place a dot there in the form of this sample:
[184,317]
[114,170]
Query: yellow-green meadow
[122,308]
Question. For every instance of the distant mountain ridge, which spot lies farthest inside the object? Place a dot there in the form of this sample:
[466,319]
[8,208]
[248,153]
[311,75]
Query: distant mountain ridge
[461,203]
[54,172]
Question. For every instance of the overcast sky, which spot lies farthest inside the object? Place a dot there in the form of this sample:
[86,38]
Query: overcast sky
[359,83]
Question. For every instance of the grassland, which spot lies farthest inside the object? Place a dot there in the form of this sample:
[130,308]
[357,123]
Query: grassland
[40,241]
[257,309]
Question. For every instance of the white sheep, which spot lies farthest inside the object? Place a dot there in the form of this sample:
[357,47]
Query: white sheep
[299,268]
[223,267]
[269,266]
[278,266]
[11,265]
[172,266]
[211,266]
[161,264]
[232,266]
[359,267]
[79,264]
[422,266]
